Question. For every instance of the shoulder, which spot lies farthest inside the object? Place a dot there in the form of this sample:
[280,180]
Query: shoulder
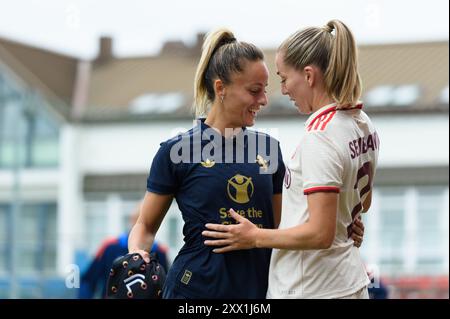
[366,118]
[178,141]
[322,121]
[179,137]
[332,125]
[324,134]
[320,141]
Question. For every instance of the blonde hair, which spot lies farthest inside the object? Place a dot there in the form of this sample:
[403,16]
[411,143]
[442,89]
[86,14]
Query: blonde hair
[336,55]
[221,55]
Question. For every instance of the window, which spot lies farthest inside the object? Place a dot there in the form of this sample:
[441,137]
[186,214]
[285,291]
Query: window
[389,95]
[96,225]
[28,245]
[431,235]
[157,103]
[405,95]
[36,238]
[44,147]
[49,239]
[392,229]
[129,208]
[408,231]
[11,151]
[379,96]
[4,238]
[28,134]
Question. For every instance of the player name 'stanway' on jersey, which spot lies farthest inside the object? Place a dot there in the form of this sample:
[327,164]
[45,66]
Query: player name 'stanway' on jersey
[363,144]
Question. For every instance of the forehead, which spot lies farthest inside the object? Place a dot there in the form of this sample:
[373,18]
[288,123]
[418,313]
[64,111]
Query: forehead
[279,62]
[253,72]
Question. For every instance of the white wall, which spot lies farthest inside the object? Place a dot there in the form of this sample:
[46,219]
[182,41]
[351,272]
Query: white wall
[419,140]
[70,212]
[35,184]
[123,148]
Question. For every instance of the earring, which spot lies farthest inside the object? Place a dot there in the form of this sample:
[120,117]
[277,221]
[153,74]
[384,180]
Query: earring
[221,99]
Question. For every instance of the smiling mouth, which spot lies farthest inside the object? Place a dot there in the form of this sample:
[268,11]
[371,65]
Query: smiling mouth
[253,112]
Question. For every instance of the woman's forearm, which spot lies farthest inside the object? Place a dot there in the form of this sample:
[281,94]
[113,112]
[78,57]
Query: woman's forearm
[300,237]
[153,210]
[140,238]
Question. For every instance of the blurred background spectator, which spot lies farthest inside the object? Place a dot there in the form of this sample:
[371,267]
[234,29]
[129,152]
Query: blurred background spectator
[94,278]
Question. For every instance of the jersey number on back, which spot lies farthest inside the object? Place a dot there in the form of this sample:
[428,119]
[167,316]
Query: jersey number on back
[365,170]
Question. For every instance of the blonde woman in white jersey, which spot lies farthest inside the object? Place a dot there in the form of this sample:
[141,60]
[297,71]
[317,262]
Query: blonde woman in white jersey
[329,180]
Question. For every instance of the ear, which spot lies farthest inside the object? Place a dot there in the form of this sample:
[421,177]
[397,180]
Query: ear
[310,75]
[219,88]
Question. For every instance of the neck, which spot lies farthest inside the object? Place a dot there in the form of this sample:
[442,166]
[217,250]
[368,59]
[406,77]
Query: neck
[320,99]
[217,120]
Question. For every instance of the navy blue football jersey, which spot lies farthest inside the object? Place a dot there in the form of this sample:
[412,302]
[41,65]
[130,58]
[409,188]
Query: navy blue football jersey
[207,179]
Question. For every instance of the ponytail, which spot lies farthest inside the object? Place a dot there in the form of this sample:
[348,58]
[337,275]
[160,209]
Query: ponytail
[221,55]
[342,78]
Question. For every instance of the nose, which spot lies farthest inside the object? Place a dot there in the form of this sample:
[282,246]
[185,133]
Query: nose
[284,91]
[263,100]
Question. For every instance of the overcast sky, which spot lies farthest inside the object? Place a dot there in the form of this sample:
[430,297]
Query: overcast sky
[139,27]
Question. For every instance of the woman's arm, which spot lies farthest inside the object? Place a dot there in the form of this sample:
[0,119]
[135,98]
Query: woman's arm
[367,202]
[153,209]
[357,233]
[317,233]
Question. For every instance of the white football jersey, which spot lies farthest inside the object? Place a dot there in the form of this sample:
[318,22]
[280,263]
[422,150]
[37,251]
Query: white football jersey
[338,153]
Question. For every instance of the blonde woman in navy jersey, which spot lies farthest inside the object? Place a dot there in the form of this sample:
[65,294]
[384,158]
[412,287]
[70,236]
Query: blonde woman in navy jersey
[329,180]
[209,178]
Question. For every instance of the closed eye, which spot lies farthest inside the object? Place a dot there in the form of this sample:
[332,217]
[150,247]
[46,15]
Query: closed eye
[257,92]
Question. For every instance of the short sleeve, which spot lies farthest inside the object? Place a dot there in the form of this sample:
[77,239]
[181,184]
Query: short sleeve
[278,176]
[162,178]
[322,165]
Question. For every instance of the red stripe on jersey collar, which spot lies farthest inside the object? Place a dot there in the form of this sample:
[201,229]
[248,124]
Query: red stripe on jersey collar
[319,116]
[331,109]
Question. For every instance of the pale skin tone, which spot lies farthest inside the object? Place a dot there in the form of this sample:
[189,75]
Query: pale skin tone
[306,88]
[242,100]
